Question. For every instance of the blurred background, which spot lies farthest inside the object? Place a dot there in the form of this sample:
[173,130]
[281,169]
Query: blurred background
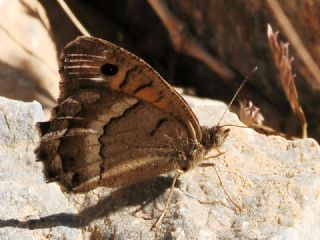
[231,32]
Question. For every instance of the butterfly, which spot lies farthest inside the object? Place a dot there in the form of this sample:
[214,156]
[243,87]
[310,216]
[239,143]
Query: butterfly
[117,122]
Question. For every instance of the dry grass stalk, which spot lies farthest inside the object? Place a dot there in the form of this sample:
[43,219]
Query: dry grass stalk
[250,114]
[73,18]
[184,42]
[295,41]
[280,52]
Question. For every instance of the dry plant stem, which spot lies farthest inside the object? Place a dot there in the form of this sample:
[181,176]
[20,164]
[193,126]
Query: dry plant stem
[183,41]
[159,220]
[250,114]
[221,184]
[270,131]
[73,18]
[210,157]
[283,62]
[295,40]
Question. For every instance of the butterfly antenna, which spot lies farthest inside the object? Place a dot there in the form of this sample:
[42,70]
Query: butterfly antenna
[238,90]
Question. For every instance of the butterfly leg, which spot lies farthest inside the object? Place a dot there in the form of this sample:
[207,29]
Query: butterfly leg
[159,220]
[215,156]
[221,183]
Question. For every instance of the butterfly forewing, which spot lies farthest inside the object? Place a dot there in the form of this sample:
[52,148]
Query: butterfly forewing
[88,62]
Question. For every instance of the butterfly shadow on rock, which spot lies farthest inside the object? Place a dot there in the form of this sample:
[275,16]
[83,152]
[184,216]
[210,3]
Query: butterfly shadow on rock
[136,195]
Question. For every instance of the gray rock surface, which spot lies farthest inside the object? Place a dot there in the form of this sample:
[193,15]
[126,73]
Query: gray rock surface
[24,196]
[275,181]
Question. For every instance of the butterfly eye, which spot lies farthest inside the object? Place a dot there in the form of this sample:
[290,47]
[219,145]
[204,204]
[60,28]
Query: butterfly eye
[109,69]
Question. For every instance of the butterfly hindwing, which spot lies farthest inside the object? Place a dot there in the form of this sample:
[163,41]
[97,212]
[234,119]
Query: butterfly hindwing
[99,136]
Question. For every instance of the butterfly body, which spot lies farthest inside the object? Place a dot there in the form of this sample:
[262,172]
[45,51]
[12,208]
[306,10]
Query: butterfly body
[117,122]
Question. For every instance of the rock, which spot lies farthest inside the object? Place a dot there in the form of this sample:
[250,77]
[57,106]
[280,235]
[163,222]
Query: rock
[276,182]
[24,196]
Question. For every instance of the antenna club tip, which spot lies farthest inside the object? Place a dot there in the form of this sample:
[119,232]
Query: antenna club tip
[253,70]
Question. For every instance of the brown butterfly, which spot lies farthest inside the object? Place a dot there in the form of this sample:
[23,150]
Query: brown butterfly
[117,122]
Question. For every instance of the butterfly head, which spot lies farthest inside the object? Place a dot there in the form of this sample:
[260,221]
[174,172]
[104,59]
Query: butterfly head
[196,151]
[214,136]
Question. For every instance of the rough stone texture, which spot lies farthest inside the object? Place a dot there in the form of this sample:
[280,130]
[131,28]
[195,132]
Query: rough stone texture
[23,193]
[276,182]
